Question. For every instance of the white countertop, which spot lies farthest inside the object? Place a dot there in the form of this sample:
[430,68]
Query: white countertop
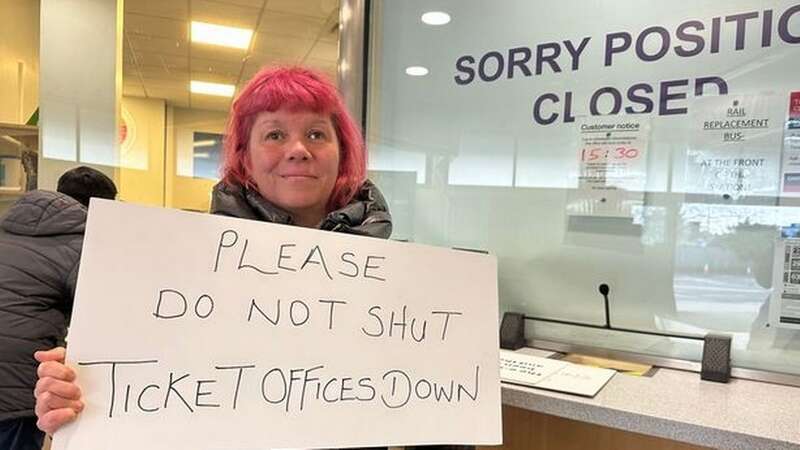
[678,405]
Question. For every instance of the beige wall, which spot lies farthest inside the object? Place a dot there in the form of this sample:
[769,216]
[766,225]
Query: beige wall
[140,177]
[19,59]
[159,142]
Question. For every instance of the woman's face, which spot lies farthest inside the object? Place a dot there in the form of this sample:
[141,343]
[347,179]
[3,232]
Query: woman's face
[294,160]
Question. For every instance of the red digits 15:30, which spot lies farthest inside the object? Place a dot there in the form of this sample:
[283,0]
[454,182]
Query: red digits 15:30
[593,154]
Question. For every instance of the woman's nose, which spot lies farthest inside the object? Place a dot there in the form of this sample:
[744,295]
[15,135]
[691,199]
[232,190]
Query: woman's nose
[297,151]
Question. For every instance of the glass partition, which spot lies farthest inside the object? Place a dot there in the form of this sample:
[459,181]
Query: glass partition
[641,145]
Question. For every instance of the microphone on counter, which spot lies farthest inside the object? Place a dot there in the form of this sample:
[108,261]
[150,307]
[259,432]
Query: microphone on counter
[604,290]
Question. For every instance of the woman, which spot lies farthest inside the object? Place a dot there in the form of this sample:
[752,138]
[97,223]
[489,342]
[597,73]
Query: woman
[293,155]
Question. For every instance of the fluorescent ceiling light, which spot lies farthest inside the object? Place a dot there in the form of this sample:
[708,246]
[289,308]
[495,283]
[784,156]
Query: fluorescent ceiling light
[416,71]
[202,87]
[207,33]
[436,18]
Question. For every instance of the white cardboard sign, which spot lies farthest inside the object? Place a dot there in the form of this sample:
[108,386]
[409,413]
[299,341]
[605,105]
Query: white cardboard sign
[197,331]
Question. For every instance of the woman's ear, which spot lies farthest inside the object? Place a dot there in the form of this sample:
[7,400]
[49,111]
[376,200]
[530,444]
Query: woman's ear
[247,167]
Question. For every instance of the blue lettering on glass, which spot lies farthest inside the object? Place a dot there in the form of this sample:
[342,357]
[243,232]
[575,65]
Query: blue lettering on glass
[691,38]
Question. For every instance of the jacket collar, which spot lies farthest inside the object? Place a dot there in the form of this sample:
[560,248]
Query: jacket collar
[367,214]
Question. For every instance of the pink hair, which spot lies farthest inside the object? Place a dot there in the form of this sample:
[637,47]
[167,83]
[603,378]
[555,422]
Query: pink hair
[295,88]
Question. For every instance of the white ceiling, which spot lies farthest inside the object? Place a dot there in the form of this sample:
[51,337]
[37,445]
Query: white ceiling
[159,61]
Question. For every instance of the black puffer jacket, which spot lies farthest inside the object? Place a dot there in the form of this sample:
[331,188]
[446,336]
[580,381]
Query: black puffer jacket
[40,245]
[367,214]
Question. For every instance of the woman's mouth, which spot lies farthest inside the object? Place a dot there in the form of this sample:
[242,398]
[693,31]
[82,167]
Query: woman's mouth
[297,177]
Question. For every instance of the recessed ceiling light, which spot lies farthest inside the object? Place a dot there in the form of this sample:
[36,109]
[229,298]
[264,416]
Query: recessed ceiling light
[203,87]
[436,18]
[208,33]
[416,71]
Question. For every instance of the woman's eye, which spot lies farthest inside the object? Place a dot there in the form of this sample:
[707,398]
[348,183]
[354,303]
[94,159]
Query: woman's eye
[273,136]
[316,135]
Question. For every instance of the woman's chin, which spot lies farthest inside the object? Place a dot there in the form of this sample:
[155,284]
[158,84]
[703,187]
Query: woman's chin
[300,204]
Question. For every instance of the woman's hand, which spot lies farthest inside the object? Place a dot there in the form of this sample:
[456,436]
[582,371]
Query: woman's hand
[58,397]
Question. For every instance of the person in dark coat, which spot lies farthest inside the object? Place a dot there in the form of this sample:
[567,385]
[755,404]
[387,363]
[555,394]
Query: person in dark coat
[40,245]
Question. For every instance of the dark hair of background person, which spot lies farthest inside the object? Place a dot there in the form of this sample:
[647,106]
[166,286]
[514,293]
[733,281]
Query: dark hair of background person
[82,183]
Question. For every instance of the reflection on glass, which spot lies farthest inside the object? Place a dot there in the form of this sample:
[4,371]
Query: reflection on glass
[133,136]
[10,173]
[690,249]
[483,160]
[388,159]
[207,155]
